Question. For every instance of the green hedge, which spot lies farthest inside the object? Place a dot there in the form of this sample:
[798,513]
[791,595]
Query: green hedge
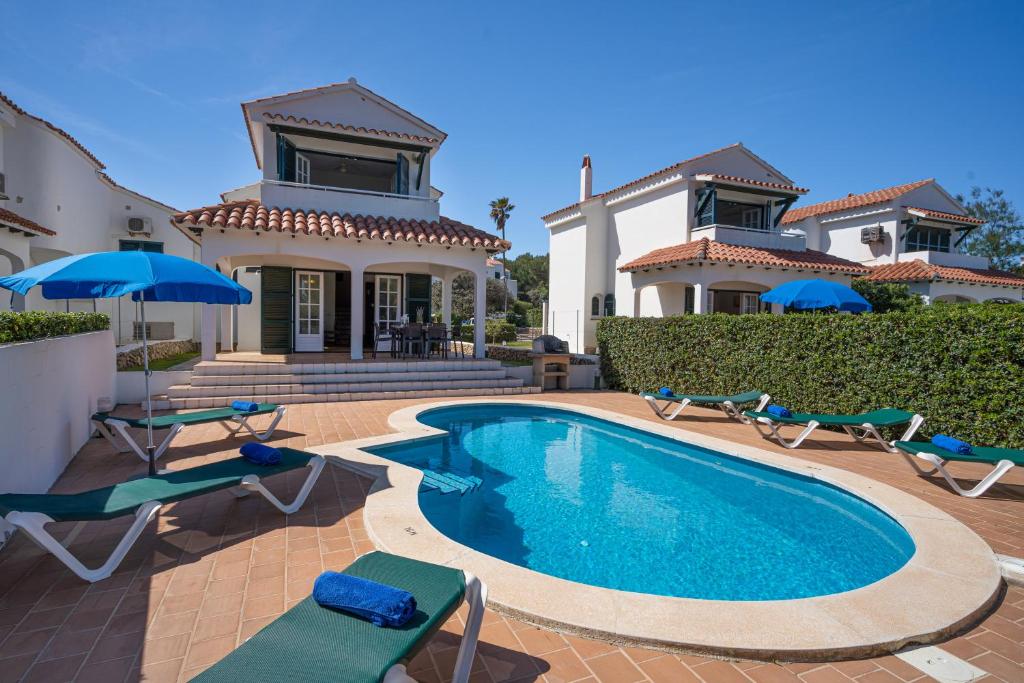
[16,327]
[495,331]
[961,367]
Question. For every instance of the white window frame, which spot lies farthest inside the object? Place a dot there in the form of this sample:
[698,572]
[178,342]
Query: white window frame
[396,281]
[756,212]
[745,303]
[301,169]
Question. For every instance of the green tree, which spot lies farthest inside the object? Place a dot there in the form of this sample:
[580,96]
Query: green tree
[887,296]
[1001,238]
[462,297]
[531,273]
[501,210]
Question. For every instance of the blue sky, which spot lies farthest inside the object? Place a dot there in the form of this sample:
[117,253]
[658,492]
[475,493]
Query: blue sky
[842,97]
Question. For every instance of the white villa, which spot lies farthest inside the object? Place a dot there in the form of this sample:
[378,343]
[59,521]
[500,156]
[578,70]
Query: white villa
[341,233]
[56,200]
[496,271]
[909,234]
[702,235]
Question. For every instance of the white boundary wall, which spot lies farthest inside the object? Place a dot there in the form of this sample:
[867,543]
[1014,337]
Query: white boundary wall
[50,388]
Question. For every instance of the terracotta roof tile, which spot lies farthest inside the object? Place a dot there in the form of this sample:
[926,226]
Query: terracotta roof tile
[645,178]
[749,181]
[852,201]
[251,215]
[705,249]
[352,129]
[59,131]
[943,216]
[11,218]
[919,271]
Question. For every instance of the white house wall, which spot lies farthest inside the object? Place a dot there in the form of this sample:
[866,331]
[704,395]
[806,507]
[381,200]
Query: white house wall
[567,269]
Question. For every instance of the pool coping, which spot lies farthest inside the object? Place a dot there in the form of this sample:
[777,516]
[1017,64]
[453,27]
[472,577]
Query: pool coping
[951,581]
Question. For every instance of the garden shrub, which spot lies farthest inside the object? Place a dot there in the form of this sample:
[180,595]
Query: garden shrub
[495,331]
[28,325]
[961,367]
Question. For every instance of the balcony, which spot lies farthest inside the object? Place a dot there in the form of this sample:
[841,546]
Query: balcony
[942,258]
[747,237]
[345,200]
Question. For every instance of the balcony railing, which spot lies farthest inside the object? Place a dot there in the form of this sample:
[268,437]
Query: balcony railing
[348,190]
[747,237]
[346,200]
[942,258]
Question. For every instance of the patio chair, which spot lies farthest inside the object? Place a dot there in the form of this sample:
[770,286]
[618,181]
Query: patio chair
[382,333]
[310,643]
[31,512]
[458,345]
[104,422]
[728,404]
[1002,460]
[414,338]
[437,340]
[860,427]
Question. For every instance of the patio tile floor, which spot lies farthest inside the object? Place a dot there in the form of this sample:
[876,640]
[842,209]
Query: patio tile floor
[211,571]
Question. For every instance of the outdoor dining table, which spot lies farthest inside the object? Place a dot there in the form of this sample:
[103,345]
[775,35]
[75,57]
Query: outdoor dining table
[404,337]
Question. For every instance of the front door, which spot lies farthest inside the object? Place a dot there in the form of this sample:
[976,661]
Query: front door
[309,311]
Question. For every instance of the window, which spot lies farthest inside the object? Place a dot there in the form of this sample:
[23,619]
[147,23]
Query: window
[302,169]
[497,275]
[389,308]
[595,307]
[142,245]
[609,304]
[751,219]
[924,238]
[739,214]
[750,303]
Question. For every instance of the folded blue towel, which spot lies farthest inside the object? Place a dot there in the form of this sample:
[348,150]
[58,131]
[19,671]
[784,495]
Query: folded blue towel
[381,604]
[666,392]
[260,454]
[779,411]
[951,444]
[245,406]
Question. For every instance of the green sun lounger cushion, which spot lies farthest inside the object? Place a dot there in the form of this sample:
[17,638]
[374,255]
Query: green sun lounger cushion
[313,643]
[983,454]
[193,418]
[745,397]
[125,498]
[886,417]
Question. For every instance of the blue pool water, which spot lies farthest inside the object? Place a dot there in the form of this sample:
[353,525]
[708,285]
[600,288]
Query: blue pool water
[592,501]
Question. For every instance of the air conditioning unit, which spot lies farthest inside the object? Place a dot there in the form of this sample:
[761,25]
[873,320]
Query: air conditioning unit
[156,331]
[875,233]
[140,225]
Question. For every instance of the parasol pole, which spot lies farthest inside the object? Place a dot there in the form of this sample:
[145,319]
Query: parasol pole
[150,448]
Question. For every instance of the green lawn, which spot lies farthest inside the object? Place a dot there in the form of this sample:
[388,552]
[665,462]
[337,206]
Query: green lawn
[526,344]
[164,363]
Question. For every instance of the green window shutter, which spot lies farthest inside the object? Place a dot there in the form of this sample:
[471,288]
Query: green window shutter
[402,175]
[285,159]
[417,296]
[276,309]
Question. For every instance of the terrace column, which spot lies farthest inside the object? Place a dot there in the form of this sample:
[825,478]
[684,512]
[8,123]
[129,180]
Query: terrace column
[446,300]
[226,332]
[356,327]
[700,298]
[208,338]
[480,315]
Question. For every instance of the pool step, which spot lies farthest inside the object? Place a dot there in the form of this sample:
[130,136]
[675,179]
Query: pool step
[449,482]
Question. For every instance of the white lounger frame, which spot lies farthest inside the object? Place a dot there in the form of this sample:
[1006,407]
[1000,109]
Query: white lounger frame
[129,444]
[34,523]
[476,596]
[728,407]
[938,465]
[861,432]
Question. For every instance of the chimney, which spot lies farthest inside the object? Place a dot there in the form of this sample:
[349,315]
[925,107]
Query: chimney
[586,179]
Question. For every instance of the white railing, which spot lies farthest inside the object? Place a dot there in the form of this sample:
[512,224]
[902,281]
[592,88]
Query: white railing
[348,190]
[942,258]
[748,237]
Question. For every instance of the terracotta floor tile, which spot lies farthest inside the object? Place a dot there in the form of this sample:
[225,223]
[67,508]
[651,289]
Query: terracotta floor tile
[771,673]
[54,670]
[213,627]
[116,646]
[1000,667]
[588,648]
[614,667]
[563,666]
[539,641]
[1001,646]
[668,669]
[825,674]
[171,624]
[209,651]
[163,672]
[110,671]
[26,643]
[880,676]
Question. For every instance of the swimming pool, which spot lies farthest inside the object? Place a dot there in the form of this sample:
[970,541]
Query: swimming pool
[599,503]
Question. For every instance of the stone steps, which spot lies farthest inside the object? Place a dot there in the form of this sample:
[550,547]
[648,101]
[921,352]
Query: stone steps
[217,383]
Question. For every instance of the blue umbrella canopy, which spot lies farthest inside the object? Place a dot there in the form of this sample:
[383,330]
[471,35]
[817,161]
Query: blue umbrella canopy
[147,276]
[813,294]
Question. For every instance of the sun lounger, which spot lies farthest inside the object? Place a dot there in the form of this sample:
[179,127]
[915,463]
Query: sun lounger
[144,498]
[312,643]
[104,422]
[728,404]
[860,427]
[1002,460]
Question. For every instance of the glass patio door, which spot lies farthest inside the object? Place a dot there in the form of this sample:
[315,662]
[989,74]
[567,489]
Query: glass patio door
[309,311]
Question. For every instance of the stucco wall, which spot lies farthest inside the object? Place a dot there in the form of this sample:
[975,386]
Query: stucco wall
[45,418]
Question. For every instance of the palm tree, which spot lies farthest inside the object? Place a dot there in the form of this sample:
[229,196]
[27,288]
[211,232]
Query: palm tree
[501,208]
